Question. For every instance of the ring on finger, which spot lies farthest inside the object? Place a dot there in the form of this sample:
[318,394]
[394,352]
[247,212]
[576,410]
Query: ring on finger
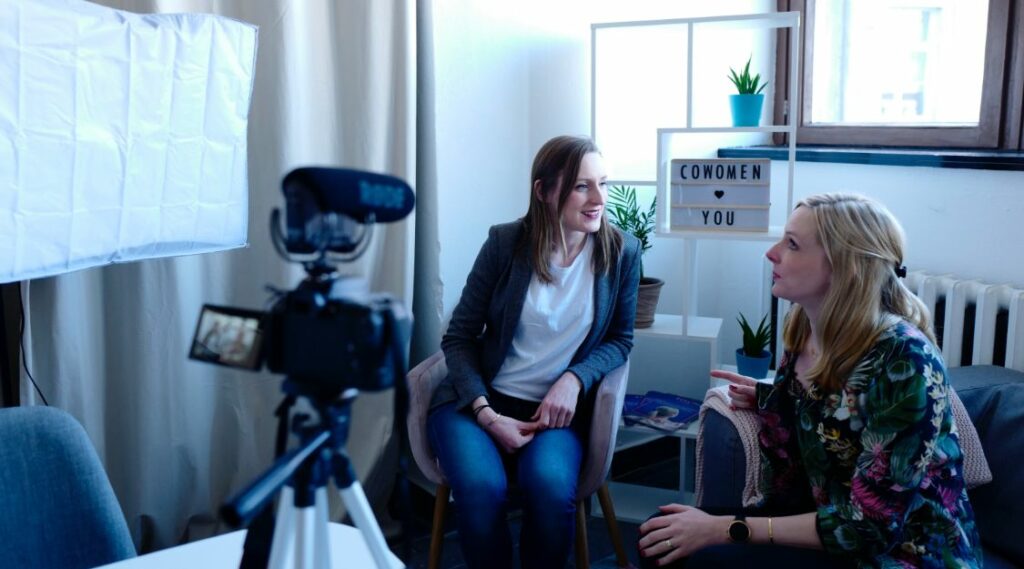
[668,543]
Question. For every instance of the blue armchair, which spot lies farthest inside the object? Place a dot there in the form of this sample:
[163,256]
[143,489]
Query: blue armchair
[57,508]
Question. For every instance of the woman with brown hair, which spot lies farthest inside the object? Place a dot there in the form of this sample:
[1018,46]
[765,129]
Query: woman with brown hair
[546,312]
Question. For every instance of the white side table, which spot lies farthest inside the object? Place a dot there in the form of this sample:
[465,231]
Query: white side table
[634,502]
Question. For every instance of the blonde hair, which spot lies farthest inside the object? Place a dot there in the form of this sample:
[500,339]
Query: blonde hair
[556,167]
[864,246]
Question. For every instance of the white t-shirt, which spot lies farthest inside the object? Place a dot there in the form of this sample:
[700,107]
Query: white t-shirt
[556,318]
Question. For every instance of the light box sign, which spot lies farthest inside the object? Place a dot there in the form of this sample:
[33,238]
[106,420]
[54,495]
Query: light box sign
[122,136]
[720,194]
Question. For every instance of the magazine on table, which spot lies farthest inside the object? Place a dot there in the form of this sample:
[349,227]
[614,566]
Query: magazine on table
[662,411]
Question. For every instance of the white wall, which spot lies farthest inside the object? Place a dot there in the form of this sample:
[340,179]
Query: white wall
[507,77]
[969,223]
[482,105]
[511,75]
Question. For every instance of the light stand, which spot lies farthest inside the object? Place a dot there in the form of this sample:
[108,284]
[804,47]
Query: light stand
[300,531]
[10,355]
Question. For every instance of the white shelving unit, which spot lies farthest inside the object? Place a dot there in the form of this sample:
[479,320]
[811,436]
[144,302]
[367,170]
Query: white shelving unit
[635,503]
[632,502]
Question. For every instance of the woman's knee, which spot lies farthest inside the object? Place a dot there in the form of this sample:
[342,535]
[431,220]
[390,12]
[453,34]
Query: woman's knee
[480,488]
[467,456]
[550,472]
[553,486]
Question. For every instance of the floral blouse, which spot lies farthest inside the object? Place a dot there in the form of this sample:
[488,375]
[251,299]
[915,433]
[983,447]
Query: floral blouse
[879,461]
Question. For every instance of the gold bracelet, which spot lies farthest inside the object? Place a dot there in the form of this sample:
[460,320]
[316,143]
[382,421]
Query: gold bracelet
[495,419]
[771,535]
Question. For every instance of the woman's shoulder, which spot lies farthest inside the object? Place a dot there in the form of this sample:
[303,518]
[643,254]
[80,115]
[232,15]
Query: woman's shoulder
[902,336]
[505,236]
[511,228]
[630,244]
[903,350]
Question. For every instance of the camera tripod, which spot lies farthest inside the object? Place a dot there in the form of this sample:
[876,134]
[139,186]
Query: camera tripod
[300,537]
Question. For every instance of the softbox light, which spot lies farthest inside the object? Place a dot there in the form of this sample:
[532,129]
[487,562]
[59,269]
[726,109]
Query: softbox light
[122,136]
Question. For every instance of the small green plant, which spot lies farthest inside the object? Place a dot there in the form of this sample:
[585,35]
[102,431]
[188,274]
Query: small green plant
[755,342]
[624,213]
[746,85]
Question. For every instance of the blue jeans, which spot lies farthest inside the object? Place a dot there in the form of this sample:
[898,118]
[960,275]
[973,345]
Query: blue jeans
[546,470]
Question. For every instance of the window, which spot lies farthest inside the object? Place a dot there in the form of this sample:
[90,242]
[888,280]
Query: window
[938,73]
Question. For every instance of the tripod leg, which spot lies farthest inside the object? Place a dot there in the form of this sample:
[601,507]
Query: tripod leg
[305,538]
[359,508]
[282,549]
[321,543]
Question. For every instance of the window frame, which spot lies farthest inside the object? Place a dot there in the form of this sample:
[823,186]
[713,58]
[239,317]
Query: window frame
[1000,121]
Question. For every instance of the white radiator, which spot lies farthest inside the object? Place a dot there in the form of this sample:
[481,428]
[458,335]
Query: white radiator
[976,323]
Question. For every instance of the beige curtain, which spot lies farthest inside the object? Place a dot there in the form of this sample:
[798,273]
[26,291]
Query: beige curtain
[335,85]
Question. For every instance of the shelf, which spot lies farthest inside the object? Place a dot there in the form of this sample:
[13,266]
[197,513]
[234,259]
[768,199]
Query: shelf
[741,21]
[699,328]
[628,438]
[774,233]
[635,503]
[717,129]
[641,432]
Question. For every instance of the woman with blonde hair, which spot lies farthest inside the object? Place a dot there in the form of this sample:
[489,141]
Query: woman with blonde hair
[861,461]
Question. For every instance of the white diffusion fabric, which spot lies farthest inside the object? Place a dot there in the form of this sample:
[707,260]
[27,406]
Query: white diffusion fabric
[122,136]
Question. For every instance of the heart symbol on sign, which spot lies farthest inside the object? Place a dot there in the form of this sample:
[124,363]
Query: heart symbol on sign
[719,194]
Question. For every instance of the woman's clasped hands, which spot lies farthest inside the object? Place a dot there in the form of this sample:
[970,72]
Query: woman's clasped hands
[558,407]
[510,433]
[555,411]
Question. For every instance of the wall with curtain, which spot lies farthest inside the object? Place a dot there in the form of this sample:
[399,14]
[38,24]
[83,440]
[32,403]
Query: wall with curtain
[335,85]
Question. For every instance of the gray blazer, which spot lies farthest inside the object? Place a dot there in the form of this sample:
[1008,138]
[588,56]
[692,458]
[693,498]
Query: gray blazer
[485,320]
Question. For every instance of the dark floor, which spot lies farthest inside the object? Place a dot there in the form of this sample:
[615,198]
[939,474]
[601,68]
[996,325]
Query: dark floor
[655,464]
[602,556]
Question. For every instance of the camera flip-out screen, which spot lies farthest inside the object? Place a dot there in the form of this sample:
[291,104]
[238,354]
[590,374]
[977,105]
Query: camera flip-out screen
[228,336]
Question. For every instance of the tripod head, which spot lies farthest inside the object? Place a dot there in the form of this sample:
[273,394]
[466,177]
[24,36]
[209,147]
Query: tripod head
[302,477]
[317,441]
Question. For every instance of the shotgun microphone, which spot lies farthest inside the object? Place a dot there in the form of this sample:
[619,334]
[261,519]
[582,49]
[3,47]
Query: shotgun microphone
[324,206]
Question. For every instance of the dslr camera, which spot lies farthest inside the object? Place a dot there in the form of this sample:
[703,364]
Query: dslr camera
[324,335]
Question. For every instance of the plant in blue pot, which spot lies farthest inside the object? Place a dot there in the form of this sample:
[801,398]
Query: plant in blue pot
[754,359]
[746,104]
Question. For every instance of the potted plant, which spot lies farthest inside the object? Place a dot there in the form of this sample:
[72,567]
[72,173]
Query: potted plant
[746,104]
[754,359]
[624,213]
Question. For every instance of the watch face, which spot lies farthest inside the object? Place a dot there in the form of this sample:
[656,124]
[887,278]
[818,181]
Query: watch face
[739,531]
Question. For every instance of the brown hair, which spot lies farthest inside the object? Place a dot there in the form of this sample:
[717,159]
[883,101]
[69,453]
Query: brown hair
[555,168]
[864,245]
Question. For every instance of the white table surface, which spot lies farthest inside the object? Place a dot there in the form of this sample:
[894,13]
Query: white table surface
[348,551]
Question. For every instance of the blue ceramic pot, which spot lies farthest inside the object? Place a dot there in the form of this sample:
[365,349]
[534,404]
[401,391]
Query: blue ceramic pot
[756,368]
[746,109]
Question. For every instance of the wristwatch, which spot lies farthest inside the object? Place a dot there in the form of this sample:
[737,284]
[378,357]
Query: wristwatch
[739,530]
